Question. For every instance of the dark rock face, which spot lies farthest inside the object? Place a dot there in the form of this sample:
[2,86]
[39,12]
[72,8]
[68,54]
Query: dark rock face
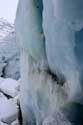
[50,44]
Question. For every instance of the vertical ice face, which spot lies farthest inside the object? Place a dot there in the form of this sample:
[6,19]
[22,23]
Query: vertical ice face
[40,95]
[64,48]
[78,49]
[32,45]
[64,43]
[29,29]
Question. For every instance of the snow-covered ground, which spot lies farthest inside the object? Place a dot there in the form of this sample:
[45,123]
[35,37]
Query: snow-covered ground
[5,28]
[9,101]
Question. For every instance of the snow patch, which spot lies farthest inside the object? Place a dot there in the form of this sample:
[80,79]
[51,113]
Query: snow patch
[8,111]
[16,122]
[10,87]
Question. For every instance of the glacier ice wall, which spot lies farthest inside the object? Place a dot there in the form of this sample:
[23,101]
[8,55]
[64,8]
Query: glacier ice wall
[50,41]
[33,19]
[63,48]
[69,11]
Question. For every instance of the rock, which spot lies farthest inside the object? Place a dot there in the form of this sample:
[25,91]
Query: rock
[8,111]
[10,87]
[16,122]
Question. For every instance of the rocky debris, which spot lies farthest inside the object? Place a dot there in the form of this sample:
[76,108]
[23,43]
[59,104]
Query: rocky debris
[9,107]
[9,52]
[10,87]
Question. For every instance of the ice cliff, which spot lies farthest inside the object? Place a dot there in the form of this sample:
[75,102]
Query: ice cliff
[49,35]
[9,52]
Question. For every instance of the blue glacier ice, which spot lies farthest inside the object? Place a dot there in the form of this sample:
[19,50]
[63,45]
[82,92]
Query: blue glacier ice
[30,13]
[69,11]
[64,44]
[49,35]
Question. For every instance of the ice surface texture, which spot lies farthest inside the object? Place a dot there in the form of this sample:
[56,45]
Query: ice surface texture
[33,19]
[64,50]
[50,41]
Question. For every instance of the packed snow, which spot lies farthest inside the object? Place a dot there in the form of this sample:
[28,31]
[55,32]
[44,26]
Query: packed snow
[10,87]
[10,112]
[9,106]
